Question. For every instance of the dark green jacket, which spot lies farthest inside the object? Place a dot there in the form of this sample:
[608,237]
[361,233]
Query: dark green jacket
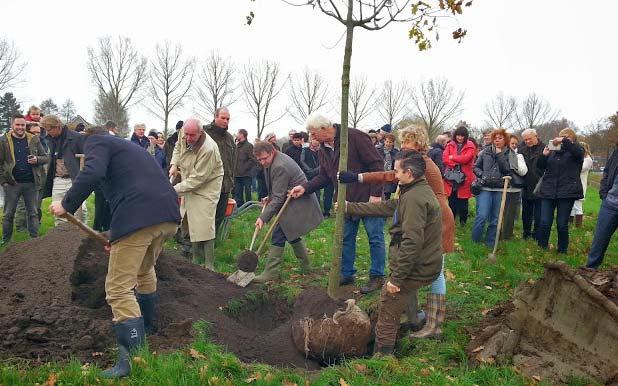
[245,165]
[415,251]
[7,159]
[225,142]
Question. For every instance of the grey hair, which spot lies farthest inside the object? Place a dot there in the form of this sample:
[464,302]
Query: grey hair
[139,126]
[220,109]
[318,121]
[441,139]
[529,132]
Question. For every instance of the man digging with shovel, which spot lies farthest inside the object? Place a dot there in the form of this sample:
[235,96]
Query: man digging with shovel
[299,217]
[145,212]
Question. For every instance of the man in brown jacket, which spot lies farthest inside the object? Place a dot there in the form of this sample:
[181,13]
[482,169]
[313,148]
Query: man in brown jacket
[244,169]
[415,253]
[362,157]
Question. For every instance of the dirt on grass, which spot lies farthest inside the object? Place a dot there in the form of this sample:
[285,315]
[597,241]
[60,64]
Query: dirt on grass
[52,306]
[563,326]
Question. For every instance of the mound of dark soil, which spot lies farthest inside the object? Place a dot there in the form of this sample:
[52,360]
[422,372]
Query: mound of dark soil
[563,325]
[52,306]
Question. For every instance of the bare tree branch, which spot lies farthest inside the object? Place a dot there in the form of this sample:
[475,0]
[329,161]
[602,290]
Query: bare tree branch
[171,78]
[436,103]
[308,94]
[117,70]
[261,85]
[216,85]
[362,101]
[534,111]
[11,66]
[500,111]
[393,101]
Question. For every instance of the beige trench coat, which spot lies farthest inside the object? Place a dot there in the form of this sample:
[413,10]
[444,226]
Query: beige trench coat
[201,170]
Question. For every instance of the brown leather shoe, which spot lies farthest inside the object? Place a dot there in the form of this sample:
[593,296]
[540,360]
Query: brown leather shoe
[375,283]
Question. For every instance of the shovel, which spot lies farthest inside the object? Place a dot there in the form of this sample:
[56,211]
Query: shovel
[492,256]
[86,229]
[247,261]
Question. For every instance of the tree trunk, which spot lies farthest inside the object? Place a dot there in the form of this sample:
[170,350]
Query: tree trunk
[335,269]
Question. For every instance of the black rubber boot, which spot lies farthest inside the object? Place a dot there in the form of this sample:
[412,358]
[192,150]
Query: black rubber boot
[130,336]
[147,303]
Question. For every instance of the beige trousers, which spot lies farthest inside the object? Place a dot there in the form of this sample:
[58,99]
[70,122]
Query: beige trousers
[131,266]
[59,189]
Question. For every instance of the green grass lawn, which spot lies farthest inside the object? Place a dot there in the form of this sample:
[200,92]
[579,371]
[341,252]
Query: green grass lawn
[473,287]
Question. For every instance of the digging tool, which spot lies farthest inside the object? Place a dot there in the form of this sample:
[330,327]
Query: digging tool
[248,258]
[89,231]
[492,256]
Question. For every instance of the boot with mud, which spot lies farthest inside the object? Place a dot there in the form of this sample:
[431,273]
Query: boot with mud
[300,251]
[579,220]
[436,311]
[147,304]
[273,263]
[209,254]
[130,336]
[375,283]
[383,351]
[416,318]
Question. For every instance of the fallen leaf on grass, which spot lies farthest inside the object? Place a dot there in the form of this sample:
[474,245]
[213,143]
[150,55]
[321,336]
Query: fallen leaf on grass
[285,382]
[423,360]
[342,382]
[140,361]
[488,287]
[536,378]
[450,276]
[484,312]
[425,372]
[268,377]
[51,380]
[254,377]
[202,371]
[466,292]
[213,381]
[360,368]
[196,354]
[479,348]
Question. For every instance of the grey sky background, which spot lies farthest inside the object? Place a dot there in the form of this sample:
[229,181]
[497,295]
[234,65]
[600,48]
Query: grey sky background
[561,49]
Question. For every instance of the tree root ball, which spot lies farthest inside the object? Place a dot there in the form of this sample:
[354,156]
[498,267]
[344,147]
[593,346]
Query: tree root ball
[247,261]
[345,334]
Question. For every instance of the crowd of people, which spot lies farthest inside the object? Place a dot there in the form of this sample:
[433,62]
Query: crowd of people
[182,185]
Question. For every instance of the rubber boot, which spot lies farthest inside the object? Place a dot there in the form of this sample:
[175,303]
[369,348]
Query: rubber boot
[416,317]
[436,311]
[579,220]
[130,336]
[147,304]
[273,263]
[209,254]
[300,251]
[197,249]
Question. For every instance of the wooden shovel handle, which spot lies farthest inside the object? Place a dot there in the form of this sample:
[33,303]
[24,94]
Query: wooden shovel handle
[255,232]
[89,231]
[274,224]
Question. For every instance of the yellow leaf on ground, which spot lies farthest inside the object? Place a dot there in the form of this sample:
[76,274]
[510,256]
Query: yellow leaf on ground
[202,371]
[425,372]
[285,382]
[52,379]
[479,348]
[196,354]
[140,361]
[536,378]
[342,382]
[450,276]
[254,377]
[360,368]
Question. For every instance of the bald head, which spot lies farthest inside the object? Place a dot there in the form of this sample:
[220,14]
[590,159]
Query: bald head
[192,128]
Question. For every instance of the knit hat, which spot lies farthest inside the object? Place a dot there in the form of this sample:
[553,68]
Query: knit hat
[179,125]
[387,128]
[269,136]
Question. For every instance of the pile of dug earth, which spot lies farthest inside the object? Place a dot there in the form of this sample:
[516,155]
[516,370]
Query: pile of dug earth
[563,326]
[52,306]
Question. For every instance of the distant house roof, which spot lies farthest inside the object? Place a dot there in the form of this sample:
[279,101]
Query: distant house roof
[77,120]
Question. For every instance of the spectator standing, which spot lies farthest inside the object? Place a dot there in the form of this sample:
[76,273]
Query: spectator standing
[560,187]
[22,160]
[111,127]
[607,221]
[436,151]
[513,195]
[362,157]
[196,157]
[487,141]
[459,155]
[218,131]
[157,148]
[246,166]
[577,212]
[139,137]
[388,153]
[63,166]
[290,141]
[170,143]
[491,166]
[532,151]
[295,150]
[310,163]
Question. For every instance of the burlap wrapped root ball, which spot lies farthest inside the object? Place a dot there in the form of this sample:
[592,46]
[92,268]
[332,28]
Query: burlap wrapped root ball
[345,334]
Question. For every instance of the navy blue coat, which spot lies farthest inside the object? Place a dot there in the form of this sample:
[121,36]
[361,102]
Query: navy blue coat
[562,169]
[137,189]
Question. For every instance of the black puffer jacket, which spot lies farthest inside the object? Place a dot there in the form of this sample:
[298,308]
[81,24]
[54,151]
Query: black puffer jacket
[490,167]
[562,169]
[609,174]
[531,156]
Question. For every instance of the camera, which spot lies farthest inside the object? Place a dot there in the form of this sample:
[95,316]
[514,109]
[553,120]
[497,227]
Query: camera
[551,146]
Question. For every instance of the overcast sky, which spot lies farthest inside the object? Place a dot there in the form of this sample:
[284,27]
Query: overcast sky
[560,49]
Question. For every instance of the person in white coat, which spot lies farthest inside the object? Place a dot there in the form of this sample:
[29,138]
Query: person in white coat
[196,157]
[577,213]
[513,197]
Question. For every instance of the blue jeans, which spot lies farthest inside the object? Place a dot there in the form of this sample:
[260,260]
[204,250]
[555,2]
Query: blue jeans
[487,211]
[374,226]
[562,207]
[438,286]
[607,222]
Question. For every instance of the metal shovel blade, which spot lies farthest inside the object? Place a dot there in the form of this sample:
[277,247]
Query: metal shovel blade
[241,278]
